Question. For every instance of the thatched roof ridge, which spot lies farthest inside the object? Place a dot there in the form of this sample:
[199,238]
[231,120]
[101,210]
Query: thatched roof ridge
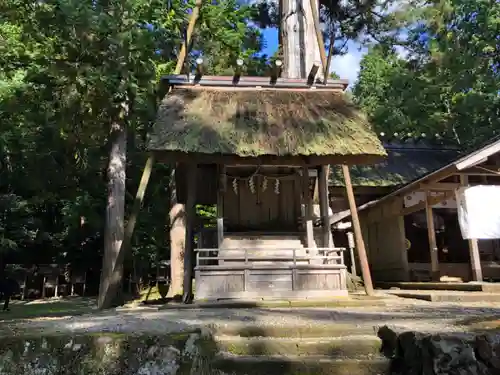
[255,122]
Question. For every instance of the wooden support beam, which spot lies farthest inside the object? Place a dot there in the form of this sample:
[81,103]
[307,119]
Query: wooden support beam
[192,172]
[307,201]
[360,243]
[475,257]
[481,170]
[311,78]
[220,205]
[440,186]
[404,250]
[432,200]
[275,71]
[324,205]
[181,58]
[431,234]
[350,241]
[200,69]
[177,211]
[319,37]
[237,71]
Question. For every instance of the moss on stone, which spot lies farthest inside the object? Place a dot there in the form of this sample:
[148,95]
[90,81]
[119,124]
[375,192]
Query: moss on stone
[348,347]
[294,366]
[101,353]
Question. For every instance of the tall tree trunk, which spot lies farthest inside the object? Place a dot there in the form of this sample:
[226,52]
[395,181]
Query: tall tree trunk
[110,287]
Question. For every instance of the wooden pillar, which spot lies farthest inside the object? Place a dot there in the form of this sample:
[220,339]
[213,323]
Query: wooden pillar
[350,241]
[404,250]
[431,234]
[360,243]
[475,257]
[220,205]
[324,205]
[192,170]
[307,200]
[177,234]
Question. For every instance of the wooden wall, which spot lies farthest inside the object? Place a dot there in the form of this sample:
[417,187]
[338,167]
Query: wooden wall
[206,183]
[386,247]
[262,210]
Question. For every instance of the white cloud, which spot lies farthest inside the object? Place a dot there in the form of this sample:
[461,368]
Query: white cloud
[347,66]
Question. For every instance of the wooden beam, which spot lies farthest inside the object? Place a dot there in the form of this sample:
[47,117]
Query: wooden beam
[187,296]
[324,205]
[360,244]
[481,170]
[177,212]
[432,200]
[220,205]
[431,234]
[189,33]
[404,252]
[319,37]
[404,211]
[475,257]
[350,241]
[361,190]
[440,186]
[307,201]
[297,160]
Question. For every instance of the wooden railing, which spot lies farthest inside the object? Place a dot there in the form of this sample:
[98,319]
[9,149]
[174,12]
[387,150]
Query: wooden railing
[242,273]
[250,259]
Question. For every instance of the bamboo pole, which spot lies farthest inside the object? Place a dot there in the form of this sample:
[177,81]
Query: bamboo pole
[358,236]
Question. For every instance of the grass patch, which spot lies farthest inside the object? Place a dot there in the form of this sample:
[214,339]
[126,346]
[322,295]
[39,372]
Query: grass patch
[50,308]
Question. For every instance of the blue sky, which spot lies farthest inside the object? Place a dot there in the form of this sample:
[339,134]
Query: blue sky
[347,66]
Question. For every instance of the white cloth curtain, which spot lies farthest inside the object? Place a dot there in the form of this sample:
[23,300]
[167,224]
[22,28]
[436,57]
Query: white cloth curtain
[479,211]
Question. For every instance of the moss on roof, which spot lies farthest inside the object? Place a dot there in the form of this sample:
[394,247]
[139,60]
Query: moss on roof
[257,122]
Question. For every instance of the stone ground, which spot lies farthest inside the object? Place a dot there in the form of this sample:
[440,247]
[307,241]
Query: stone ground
[404,314]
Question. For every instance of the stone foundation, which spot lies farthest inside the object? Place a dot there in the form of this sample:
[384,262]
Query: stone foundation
[414,353]
[108,354]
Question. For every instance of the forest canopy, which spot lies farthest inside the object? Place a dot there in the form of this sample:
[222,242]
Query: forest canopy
[71,69]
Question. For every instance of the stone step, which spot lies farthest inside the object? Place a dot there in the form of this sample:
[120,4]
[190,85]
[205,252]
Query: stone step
[447,296]
[438,286]
[354,346]
[292,365]
[317,330]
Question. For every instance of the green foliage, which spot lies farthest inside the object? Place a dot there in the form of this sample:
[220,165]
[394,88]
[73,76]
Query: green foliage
[449,82]
[66,68]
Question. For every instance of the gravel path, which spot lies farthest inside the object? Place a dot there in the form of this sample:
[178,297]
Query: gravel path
[415,315]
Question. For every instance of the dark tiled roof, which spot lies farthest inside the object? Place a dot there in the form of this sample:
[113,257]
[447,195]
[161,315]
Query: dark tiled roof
[404,163]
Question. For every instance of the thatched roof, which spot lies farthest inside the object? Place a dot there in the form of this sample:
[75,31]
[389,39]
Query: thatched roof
[251,122]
